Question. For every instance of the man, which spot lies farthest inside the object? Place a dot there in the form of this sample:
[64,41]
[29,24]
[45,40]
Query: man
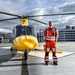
[23,29]
[51,36]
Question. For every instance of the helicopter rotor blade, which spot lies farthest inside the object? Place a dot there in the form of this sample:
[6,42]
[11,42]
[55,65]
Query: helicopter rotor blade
[9,14]
[19,18]
[53,14]
[9,19]
[38,21]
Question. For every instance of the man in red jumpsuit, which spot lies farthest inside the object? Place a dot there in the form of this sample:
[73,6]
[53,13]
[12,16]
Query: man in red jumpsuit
[51,36]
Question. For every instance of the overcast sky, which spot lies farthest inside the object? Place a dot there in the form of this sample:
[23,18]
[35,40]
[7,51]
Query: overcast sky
[35,7]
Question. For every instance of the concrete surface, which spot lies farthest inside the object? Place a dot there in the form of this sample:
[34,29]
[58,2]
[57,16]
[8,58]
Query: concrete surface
[35,64]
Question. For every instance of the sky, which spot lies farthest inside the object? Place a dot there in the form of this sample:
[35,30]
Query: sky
[38,7]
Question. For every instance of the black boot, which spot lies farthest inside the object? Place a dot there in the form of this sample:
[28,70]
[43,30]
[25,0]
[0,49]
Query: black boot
[46,62]
[46,59]
[55,62]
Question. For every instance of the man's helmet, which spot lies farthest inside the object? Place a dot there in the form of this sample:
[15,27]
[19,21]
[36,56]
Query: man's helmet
[50,24]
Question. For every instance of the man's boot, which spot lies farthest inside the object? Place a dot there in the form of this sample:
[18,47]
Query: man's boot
[46,58]
[55,61]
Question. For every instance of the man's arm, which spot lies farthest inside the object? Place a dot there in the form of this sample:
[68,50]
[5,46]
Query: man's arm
[45,33]
[56,35]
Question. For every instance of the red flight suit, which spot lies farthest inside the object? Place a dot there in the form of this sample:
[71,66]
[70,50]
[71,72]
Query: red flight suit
[50,42]
[50,38]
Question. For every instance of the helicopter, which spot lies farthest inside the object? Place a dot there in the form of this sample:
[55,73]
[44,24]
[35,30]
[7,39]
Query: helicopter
[29,18]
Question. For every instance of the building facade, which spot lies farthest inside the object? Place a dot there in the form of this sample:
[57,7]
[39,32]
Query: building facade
[66,34]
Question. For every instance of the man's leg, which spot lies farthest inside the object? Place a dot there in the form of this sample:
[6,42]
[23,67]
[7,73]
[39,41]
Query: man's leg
[55,61]
[46,59]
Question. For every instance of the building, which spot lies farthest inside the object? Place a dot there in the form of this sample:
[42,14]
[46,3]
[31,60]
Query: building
[66,34]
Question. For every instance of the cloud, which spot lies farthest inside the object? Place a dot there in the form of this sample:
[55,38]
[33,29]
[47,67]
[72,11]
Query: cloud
[29,7]
[67,7]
